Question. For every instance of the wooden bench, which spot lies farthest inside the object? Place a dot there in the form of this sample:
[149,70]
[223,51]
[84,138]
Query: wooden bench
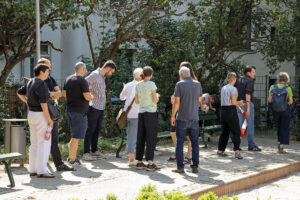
[210,124]
[7,159]
[163,134]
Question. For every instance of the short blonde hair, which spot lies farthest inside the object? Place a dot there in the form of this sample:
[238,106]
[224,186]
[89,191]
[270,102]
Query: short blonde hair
[283,77]
[231,76]
[137,72]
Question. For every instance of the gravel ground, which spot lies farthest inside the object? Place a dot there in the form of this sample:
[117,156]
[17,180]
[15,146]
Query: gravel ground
[113,175]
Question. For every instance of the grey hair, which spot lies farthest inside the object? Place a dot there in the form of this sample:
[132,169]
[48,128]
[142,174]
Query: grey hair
[283,77]
[137,72]
[184,71]
[231,76]
[79,65]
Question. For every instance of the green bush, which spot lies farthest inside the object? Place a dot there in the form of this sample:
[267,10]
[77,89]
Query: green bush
[149,192]
[176,196]
[111,197]
[212,196]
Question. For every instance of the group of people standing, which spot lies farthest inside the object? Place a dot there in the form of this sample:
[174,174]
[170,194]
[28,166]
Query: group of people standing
[85,110]
[86,101]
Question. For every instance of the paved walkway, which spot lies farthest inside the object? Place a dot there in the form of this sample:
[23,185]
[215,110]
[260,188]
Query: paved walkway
[284,189]
[113,175]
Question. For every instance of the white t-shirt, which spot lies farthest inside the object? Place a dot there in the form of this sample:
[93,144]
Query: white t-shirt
[205,97]
[128,94]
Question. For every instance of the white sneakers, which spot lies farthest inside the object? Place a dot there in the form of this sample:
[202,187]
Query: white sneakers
[133,163]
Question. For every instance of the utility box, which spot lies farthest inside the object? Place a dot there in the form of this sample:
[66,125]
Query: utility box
[15,137]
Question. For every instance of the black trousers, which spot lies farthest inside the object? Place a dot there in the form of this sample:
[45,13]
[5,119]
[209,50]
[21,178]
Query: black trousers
[230,124]
[147,133]
[55,152]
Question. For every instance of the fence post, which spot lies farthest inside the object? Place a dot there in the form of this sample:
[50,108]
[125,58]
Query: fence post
[266,99]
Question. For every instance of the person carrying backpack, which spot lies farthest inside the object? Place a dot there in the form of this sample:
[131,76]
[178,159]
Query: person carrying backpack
[281,97]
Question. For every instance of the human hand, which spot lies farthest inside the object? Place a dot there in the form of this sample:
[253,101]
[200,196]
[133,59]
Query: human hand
[172,99]
[173,121]
[248,112]
[50,122]
[124,84]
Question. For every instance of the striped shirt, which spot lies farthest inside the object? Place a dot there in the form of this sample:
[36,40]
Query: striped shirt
[97,85]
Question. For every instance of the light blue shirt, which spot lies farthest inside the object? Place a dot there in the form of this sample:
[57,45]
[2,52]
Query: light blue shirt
[226,92]
[144,91]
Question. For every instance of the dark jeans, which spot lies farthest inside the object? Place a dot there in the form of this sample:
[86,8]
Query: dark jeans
[282,120]
[147,133]
[95,118]
[190,127]
[230,124]
[55,152]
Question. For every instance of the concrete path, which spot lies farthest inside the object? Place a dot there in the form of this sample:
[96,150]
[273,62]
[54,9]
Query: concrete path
[286,188]
[113,175]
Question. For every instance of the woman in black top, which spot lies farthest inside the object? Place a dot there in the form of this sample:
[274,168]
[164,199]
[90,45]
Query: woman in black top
[35,94]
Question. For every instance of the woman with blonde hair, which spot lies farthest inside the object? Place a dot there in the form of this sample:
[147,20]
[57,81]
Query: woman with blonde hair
[281,97]
[229,117]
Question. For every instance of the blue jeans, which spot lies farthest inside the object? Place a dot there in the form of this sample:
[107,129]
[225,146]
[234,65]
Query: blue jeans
[95,118]
[131,131]
[190,127]
[250,123]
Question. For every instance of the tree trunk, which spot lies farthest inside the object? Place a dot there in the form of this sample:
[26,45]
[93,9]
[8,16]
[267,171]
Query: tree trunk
[5,72]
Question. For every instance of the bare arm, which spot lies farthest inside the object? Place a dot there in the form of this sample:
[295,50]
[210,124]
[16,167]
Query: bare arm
[46,113]
[155,96]
[235,102]
[270,98]
[22,98]
[291,101]
[136,99]
[174,110]
[88,96]
[64,93]
[56,94]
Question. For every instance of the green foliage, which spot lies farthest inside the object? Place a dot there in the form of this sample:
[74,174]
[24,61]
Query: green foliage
[149,192]
[111,197]
[4,111]
[212,196]
[176,196]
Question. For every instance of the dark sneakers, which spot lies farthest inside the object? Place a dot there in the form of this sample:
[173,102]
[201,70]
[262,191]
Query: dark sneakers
[140,165]
[64,167]
[152,167]
[238,155]
[221,153]
[255,148]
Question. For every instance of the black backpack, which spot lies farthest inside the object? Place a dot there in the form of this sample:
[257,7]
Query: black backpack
[279,100]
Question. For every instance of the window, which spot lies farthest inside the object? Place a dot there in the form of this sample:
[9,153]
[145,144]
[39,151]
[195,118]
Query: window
[45,53]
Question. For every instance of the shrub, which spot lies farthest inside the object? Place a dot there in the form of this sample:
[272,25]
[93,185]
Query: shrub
[149,192]
[176,196]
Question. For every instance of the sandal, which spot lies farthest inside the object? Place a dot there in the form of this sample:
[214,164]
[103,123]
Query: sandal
[171,159]
[187,160]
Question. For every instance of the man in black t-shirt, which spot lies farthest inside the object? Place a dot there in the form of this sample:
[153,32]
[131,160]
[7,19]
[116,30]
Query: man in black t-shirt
[55,94]
[245,87]
[76,90]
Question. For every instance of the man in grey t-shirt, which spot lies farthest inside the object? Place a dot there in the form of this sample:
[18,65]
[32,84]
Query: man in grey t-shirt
[187,101]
